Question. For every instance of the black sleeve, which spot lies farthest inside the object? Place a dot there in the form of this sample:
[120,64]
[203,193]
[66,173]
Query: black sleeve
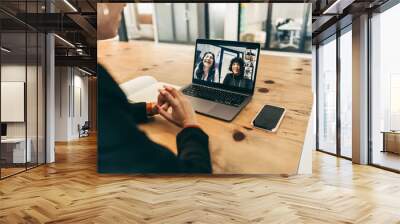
[226,79]
[123,148]
[138,111]
[193,151]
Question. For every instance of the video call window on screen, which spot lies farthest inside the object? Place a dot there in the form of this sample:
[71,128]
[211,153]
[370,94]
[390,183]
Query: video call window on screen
[227,65]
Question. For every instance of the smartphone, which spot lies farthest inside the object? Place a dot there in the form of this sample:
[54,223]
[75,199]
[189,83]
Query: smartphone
[269,118]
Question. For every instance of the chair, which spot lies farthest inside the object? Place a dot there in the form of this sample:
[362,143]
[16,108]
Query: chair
[84,130]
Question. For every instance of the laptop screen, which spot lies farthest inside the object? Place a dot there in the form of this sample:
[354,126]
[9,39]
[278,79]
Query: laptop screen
[229,65]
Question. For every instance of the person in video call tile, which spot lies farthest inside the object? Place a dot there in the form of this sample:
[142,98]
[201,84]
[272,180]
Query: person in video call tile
[122,147]
[206,68]
[236,76]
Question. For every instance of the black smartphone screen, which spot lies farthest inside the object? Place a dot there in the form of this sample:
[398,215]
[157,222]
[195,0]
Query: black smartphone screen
[269,117]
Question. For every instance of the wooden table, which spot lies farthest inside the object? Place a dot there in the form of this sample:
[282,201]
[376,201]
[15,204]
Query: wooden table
[281,81]
[391,141]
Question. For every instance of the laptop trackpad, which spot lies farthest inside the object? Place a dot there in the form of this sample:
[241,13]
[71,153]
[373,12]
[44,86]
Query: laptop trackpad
[224,112]
[201,105]
[213,109]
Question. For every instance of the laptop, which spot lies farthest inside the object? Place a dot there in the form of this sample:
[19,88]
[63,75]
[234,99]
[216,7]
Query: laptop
[223,78]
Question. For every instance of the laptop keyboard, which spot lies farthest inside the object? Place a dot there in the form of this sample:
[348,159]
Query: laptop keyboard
[215,95]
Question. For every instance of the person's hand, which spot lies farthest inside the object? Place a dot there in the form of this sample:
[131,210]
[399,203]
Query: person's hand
[152,108]
[181,113]
[162,101]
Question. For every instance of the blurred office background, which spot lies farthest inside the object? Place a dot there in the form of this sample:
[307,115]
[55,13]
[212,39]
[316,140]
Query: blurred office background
[276,26]
[48,78]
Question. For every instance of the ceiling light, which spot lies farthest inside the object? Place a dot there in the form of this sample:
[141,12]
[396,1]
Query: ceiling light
[5,50]
[84,71]
[79,51]
[70,5]
[337,7]
[65,41]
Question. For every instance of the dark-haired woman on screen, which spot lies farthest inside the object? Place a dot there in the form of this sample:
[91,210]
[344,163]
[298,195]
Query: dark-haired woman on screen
[206,68]
[236,76]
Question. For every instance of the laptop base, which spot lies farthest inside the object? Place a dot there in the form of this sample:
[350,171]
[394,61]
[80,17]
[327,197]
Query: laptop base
[216,110]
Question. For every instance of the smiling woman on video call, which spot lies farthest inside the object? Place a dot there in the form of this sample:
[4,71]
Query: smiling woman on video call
[206,68]
[122,147]
[236,76]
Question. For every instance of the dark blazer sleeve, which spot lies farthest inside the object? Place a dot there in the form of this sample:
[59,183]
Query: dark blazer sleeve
[227,79]
[248,83]
[193,151]
[123,148]
[138,111]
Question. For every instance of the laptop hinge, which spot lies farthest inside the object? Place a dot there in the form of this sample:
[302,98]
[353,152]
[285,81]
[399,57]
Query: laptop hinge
[229,91]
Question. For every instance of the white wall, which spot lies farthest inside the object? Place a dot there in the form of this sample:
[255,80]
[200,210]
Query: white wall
[79,117]
[62,81]
[12,101]
[33,126]
[12,73]
[71,87]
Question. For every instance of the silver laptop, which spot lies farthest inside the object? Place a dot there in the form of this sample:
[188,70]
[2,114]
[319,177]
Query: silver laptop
[224,76]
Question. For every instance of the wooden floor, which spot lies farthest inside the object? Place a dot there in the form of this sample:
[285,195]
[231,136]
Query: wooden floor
[10,171]
[70,191]
[387,159]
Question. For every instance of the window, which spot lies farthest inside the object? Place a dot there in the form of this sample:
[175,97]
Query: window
[23,89]
[346,93]
[253,21]
[179,22]
[217,17]
[334,96]
[277,26]
[327,96]
[385,89]
[139,21]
